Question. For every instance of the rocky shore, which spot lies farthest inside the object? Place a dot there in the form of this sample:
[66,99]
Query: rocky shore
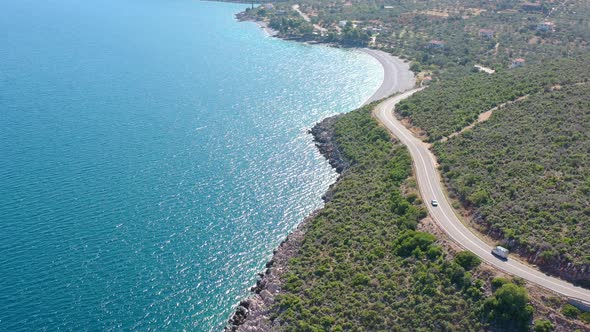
[254,313]
[323,136]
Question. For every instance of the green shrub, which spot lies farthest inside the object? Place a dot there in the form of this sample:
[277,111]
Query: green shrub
[434,252]
[585,317]
[543,325]
[409,241]
[570,311]
[467,260]
[360,279]
[499,282]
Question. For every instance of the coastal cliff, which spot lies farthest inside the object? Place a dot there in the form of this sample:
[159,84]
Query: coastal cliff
[254,313]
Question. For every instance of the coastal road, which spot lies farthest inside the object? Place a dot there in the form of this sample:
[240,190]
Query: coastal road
[430,185]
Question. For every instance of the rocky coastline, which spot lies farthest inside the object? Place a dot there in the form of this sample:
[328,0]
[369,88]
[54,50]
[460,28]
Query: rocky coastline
[253,314]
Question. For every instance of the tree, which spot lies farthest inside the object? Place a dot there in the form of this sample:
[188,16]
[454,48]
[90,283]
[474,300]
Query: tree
[509,307]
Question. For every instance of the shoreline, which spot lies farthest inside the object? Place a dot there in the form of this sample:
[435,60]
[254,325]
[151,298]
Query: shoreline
[253,313]
[397,76]
[267,29]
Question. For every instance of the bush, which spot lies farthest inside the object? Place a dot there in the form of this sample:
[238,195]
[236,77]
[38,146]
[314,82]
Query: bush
[467,260]
[434,252]
[499,282]
[585,317]
[410,241]
[519,281]
[543,325]
[570,311]
[360,279]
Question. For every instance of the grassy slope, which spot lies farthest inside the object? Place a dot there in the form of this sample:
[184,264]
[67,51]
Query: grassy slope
[358,268]
[448,106]
[526,171]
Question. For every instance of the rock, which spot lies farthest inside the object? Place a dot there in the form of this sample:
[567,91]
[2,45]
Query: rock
[273,288]
[265,294]
[243,311]
[325,140]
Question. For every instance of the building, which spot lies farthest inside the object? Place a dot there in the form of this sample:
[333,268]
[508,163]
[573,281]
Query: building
[517,63]
[342,24]
[372,30]
[546,26]
[486,33]
[436,44]
[426,80]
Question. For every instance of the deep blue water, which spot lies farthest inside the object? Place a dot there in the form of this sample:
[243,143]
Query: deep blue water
[153,153]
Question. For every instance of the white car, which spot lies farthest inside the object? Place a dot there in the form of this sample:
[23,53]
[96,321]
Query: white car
[434,202]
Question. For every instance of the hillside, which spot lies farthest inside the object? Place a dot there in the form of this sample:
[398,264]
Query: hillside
[362,265]
[449,105]
[525,175]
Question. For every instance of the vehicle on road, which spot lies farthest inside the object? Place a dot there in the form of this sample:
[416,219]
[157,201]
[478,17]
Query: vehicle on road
[434,202]
[500,252]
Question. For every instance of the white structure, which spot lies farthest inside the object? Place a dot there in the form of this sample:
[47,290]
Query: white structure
[546,26]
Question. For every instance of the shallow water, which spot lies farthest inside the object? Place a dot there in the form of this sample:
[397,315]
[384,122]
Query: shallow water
[152,155]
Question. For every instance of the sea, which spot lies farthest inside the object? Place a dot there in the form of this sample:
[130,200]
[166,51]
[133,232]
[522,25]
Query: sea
[153,153]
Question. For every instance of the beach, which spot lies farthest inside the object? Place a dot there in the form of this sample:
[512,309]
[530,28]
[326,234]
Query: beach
[397,76]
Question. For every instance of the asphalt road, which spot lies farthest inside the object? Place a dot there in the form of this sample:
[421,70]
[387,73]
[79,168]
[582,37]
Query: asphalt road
[430,185]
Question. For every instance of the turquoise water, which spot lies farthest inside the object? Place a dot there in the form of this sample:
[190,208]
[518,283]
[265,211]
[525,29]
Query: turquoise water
[152,155]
